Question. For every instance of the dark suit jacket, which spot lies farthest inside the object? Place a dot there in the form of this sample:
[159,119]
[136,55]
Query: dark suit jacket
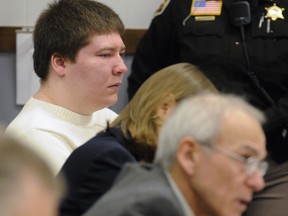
[138,191]
[91,170]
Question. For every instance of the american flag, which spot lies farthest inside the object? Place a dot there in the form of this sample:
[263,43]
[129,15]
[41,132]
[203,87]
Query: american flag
[206,7]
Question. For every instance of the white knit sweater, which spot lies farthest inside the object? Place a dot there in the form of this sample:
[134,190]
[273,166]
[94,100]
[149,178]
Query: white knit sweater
[53,131]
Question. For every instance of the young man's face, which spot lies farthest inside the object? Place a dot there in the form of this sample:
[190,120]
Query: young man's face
[97,72]
[221,183]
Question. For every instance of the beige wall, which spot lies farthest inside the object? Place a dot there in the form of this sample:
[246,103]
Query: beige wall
[134,13]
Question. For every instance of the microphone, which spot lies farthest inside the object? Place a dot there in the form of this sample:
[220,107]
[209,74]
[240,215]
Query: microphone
[240,16]
[240,13]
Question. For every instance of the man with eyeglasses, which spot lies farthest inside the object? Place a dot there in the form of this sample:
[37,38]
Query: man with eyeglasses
[209,161]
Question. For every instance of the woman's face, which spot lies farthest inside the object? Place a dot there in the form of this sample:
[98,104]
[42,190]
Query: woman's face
[164,109]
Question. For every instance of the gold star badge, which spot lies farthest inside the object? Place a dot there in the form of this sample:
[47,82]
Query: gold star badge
[274,12]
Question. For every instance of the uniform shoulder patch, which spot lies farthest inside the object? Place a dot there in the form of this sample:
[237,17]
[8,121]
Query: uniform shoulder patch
[162,7]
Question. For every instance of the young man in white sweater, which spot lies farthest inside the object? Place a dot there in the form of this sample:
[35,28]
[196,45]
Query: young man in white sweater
[78,57]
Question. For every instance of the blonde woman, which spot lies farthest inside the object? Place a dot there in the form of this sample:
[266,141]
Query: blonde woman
[92,168]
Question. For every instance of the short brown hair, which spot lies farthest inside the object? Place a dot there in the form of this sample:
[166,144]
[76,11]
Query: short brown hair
[66,26]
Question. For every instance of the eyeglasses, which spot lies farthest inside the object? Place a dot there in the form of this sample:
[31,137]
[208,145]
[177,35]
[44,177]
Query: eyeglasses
[252,164]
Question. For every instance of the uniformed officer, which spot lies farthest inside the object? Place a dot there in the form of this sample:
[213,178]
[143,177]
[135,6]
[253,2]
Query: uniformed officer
[205,33]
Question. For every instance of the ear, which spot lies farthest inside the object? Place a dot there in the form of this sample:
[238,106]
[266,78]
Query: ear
[165,107]
[187,154]
[59,64]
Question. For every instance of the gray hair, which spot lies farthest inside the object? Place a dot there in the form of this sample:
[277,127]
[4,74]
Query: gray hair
[200,117]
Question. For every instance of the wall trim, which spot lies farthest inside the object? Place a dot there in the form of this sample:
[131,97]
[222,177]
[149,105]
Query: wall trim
[8,39]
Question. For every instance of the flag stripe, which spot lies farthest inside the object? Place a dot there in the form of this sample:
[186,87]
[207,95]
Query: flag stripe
[201,7]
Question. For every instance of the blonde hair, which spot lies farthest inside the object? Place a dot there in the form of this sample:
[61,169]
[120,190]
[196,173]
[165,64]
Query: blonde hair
[180,80]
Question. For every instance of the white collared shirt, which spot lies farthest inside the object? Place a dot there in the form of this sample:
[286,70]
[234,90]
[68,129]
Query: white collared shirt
[188,211]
